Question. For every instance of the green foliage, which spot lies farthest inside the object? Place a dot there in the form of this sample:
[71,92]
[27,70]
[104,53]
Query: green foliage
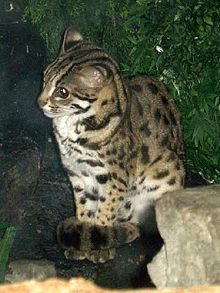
[5,247]
[177,41]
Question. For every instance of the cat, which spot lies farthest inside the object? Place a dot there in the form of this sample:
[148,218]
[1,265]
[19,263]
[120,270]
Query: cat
[120,143]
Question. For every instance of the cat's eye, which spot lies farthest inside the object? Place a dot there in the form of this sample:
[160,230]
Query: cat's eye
[61,92]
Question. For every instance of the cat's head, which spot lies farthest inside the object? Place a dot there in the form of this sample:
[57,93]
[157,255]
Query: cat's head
[83,81]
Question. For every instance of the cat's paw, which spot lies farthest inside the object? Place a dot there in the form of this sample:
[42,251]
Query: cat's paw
[95,256]
[73,254]
[101,256]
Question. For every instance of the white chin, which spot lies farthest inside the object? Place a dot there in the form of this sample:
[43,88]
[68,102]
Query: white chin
[52,115]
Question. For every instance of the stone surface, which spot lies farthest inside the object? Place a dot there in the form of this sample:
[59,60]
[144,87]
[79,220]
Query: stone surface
[82,286]
[25,269]
[189,223]
[19,169]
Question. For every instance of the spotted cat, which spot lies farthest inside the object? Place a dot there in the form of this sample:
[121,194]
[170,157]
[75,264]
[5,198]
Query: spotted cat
[120,143]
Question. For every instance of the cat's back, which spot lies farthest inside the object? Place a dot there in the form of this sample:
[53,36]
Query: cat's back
[154,115]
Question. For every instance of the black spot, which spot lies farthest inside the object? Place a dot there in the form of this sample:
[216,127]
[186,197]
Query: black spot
[105,102]
[162,174]
[136,88]
[85,174]
[152,87]
[177,166]
[139,106]
[91,163]
[157,115]
[98,239]
[121,198]
[78,151]
[121,165]
[182,181]
[145,129]
[149,189]
[112,209]
[133,155]
[113,217]
[121,153]
[77,189]
[114,175]
[141,174]
[93,146]
[90,214]
[69,172]
[156,160]
[164,100]
[128,205]
[165,141]
[82,141]
[82,200]
[145,155]
[90,123]
[131,141]
[142,180]
[108,153]
[128,218]
[70,238]
[171,157]
[172,181]
[166,121]
[91,196]
[95,191]
[102,198]
[173,119]
[121,190]
[114,151]
[102,179]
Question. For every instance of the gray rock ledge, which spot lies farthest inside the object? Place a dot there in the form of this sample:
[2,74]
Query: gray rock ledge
[189,223]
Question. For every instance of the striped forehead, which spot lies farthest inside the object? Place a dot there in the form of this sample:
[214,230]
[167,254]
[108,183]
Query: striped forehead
[82,55]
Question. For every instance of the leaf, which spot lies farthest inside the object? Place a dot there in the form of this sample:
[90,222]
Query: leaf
[4,225]
[5,247]
[208,20]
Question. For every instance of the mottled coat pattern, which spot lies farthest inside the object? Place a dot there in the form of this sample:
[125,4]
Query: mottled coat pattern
[120,143]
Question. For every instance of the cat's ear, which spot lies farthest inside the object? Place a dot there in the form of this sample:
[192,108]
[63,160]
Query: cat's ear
[71,36]
[90,77]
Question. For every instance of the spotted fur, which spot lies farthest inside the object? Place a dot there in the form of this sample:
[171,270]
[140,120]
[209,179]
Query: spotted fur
[120,143]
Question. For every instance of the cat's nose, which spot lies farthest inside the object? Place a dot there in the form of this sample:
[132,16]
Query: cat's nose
[41,103]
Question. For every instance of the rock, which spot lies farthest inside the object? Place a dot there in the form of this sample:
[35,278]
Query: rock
[157,269]
[19,169]
[30,269]
[82,286]
[189,223]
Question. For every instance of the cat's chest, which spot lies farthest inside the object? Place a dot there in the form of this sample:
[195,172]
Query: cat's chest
[75,157]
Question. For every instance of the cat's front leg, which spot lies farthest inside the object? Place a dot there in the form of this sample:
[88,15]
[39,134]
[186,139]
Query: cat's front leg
[95,232]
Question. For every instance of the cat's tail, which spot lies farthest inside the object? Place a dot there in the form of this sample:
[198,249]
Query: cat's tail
[85,236]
